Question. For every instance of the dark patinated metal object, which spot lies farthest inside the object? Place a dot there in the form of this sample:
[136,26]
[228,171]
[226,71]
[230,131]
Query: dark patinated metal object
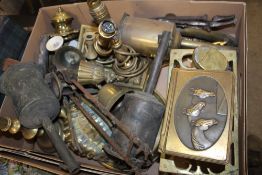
[36,105]
[217,21]
[141,111]
[117,151]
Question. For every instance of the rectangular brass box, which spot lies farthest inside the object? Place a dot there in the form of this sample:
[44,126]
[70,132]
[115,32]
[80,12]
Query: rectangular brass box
[219,151]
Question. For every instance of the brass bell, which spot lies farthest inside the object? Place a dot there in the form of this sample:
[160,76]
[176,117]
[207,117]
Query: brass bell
[90,72]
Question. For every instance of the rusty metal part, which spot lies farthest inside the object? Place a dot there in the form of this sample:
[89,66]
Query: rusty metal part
[208,58]
[134,140]
[135,33]
[109,94]
[103,42]
[62,22]
[98,10]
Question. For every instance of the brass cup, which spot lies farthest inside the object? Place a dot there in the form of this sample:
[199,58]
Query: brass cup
[110,94]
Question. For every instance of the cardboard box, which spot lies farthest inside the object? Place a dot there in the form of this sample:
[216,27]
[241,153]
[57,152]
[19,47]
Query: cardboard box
[146,9]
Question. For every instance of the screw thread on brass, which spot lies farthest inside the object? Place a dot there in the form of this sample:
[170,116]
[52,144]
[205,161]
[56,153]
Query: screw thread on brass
[98,10]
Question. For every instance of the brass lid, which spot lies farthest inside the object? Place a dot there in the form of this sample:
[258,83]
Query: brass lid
[61,16]
[209,58]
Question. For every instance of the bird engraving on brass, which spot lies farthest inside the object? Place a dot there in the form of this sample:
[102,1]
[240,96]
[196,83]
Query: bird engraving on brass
[199,126]
[201,93]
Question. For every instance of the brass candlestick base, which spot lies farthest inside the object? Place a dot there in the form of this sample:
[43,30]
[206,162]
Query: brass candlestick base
[13,126]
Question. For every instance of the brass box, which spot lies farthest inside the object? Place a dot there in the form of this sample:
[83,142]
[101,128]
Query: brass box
[170,136]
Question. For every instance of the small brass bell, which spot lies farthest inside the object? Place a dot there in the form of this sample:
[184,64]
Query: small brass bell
[90,72]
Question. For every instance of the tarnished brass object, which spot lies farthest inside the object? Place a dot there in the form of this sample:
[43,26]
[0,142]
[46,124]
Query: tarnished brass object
[195,110]
[106,32]
[142,34]
[183,138]
[29,134]
[189,44]
[82,137]
[90,72]
[83,30]
[13,126]
[208,58]
[109,94]
[178,60]
[61,22]
[201,93]
[98,10]
[88,48]
[10,125]
[199,139]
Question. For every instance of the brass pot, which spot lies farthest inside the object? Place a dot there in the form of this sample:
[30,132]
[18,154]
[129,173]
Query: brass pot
[142,34]
[110,94]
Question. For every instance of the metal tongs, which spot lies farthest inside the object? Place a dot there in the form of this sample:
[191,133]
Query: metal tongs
[217,21]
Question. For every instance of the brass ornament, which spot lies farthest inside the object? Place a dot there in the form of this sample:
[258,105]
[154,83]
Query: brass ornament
[201,93]
[103,42]
[135,33]
[207,131]
[88,48]
[209,58]
[98,10]
[13,126]
[90,72]
[81,136]
[177,60]
[62,22]
[84,29]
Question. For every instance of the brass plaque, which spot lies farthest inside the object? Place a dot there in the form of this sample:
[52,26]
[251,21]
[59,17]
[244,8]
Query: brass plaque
[194,128]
